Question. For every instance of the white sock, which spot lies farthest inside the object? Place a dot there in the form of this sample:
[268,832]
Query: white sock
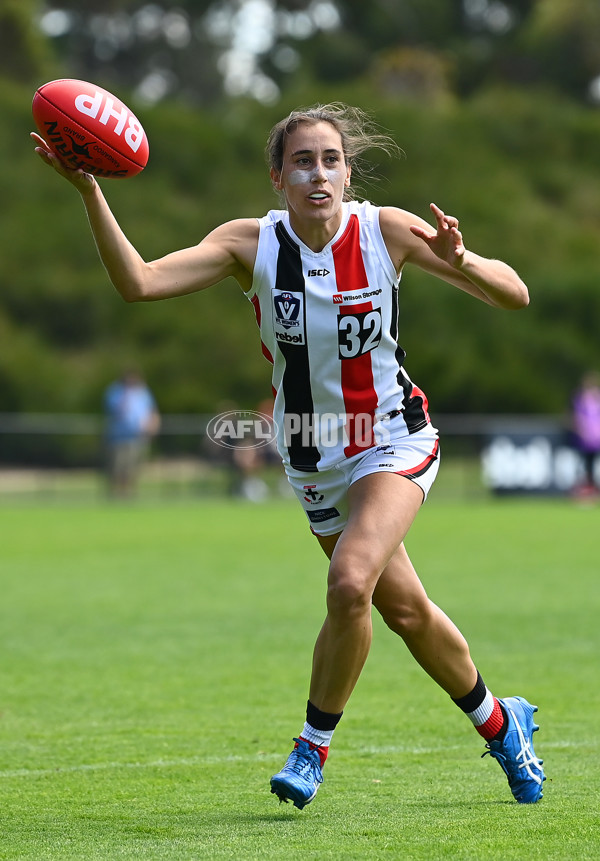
[318,737]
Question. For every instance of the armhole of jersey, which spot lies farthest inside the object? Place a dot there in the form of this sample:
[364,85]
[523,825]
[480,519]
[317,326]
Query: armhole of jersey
[382,251]
[259,262]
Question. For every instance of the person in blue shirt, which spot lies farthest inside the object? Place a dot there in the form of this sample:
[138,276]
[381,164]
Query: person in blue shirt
[132,418]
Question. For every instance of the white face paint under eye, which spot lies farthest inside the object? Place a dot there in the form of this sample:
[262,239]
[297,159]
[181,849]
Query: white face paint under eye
[297,177]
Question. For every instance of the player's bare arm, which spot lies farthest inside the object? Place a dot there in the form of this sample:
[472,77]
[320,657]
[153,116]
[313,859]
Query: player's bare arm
[440,251]
[229,250]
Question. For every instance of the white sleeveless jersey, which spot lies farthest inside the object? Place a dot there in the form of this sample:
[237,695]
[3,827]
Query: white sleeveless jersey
[329,325]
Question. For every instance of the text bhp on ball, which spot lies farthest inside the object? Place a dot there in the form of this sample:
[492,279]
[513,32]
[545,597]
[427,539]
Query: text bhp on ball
[125,122]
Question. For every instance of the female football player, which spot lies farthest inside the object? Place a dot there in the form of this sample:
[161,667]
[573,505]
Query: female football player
[354,431]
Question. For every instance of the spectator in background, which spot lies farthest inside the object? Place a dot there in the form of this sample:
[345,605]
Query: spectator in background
[586,428]
[254,459]
[132,419]
[248,462]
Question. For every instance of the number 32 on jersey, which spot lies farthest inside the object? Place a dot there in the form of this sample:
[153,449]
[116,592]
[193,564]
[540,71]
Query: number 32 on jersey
[358,333]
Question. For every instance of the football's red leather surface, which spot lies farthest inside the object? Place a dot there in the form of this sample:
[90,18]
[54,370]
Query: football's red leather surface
[89,128]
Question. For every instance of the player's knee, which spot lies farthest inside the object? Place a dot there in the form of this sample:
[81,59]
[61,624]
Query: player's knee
[408,619]
[349,592]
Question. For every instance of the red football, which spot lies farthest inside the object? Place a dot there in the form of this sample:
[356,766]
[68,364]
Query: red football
[89,128]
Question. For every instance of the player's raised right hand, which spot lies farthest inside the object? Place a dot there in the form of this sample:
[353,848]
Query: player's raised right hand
[83,182]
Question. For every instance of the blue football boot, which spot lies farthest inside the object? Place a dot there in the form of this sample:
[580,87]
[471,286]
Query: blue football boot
[515,752]
[300,777]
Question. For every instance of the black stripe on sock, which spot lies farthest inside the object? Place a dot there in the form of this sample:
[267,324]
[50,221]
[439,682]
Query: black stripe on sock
[473,700]
[321,720]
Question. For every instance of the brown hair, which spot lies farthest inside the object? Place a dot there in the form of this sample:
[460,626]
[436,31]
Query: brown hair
[356,129]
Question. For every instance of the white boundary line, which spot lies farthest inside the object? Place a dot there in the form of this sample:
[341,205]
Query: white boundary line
[258,757]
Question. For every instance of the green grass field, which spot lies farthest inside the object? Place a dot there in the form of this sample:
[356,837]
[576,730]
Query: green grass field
[154,668]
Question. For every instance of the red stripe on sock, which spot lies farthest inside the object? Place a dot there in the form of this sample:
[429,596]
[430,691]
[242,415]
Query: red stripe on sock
[493,724]
[322,751]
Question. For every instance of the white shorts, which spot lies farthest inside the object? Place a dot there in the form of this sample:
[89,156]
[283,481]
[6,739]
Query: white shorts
[324,495]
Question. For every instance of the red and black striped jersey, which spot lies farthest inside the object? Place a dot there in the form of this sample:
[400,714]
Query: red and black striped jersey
[329,325]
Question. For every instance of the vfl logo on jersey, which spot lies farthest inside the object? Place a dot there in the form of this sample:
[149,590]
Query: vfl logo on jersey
[287,310]
[288,317]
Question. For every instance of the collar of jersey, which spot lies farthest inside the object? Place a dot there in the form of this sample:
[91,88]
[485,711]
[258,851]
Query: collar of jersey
[338,235]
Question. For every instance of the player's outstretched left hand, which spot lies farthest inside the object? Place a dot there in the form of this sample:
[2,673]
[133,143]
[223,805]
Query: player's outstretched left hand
[446,241]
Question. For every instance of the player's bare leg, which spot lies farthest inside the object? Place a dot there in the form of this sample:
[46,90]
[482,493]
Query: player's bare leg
[357,555]
[382,508]
[433,639]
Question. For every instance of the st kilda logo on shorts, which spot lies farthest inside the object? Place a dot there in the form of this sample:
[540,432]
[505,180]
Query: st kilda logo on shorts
[312,495]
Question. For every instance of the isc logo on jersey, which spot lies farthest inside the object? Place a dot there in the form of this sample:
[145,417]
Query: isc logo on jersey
[288,317]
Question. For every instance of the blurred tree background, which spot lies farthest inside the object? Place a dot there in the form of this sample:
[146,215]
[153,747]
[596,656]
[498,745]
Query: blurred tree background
[495,103]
